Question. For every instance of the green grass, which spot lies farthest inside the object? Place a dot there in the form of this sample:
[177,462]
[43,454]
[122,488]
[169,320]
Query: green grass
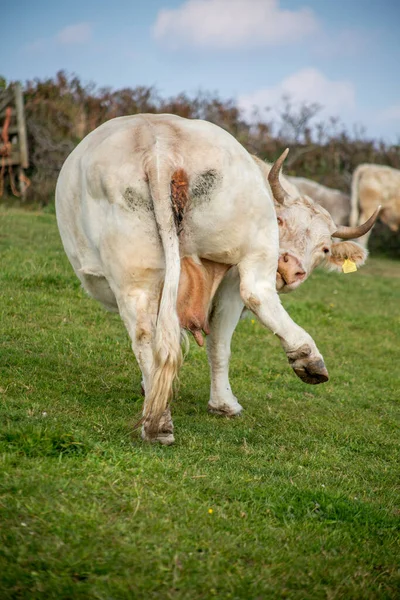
[303,488]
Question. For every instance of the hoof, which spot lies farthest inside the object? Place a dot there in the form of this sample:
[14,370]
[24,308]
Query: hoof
[166,439]
[225,410]
[308,369]
[165,433]
[313,373]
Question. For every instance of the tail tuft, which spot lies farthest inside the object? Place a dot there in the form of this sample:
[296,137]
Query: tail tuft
[167,362]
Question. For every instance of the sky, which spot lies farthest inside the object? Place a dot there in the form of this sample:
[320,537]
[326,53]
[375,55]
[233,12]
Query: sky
[342,54]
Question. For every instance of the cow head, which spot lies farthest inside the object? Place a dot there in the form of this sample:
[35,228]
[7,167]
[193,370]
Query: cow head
[305,233]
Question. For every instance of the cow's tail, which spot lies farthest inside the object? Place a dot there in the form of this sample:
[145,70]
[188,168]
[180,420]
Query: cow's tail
[354,201]
[167,347]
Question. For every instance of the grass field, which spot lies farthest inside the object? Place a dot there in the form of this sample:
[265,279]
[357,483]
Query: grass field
[298,498]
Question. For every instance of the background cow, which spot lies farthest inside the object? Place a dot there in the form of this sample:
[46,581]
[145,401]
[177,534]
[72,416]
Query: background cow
[371,186]
[154,211]
[334,201]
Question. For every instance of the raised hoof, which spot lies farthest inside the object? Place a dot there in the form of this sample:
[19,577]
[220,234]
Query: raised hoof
[225,410]
[312,371]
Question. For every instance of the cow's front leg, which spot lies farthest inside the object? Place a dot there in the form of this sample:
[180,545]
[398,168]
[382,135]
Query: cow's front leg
[226,311]
[258,290]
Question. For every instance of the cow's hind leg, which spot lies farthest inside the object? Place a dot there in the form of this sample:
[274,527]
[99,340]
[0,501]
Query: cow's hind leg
[258,290]
[226,311]
[138,309]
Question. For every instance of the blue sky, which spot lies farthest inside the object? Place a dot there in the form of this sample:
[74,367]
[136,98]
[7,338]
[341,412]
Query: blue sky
[343,54]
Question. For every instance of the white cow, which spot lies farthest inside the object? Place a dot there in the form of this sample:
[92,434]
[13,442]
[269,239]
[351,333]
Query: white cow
[374,185]
[334,201]
[154,211]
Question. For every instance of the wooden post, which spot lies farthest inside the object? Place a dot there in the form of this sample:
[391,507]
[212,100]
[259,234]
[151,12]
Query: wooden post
[22,139]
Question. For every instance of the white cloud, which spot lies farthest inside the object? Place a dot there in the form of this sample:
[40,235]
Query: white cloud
[79,33]
[308,85]
[227,24]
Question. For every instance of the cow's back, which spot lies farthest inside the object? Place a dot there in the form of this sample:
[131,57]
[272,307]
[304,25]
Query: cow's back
[380,178]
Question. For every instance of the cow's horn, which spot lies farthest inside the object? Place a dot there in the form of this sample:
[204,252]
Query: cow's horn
[273,178]
[349,233]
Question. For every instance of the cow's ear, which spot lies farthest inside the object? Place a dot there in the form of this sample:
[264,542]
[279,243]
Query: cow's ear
[340,251]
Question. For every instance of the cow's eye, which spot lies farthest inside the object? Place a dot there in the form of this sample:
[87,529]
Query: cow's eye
[280,221]
[325,250]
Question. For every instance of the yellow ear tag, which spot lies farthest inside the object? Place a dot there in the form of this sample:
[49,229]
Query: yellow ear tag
[349,266]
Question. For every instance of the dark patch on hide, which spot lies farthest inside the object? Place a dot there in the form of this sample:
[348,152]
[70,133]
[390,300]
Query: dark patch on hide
[179,195]
[204,185]
[136,201]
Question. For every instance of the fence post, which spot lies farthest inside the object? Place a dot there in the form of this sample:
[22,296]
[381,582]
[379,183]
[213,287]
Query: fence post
[22,138]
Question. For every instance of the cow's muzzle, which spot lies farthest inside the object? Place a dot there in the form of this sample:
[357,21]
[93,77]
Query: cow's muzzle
[290,272]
